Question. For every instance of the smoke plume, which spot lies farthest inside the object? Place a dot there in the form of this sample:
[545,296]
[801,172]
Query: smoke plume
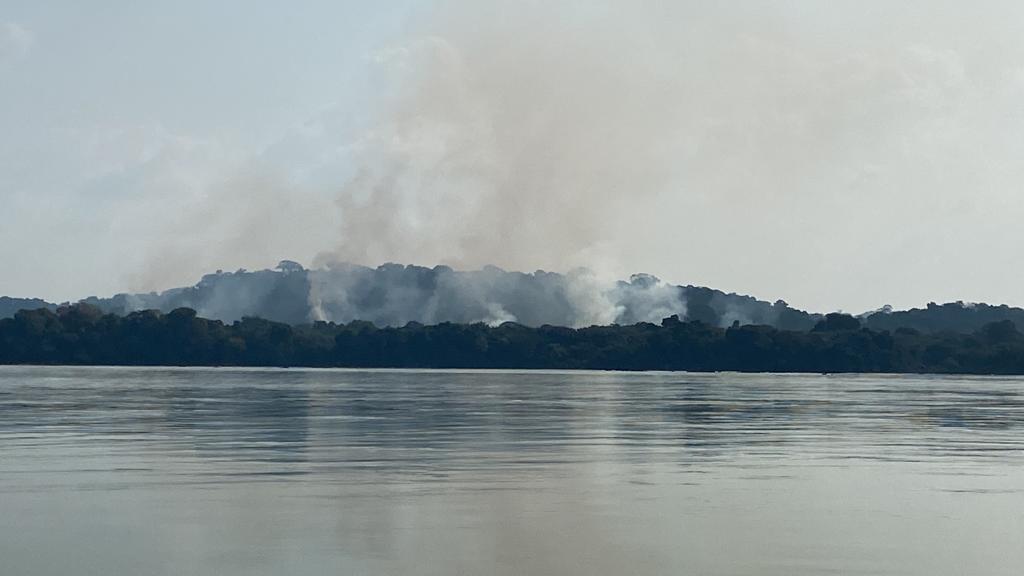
[395,295]
[527,139]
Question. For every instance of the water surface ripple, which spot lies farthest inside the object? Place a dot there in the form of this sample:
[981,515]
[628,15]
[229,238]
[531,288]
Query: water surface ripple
[221,471]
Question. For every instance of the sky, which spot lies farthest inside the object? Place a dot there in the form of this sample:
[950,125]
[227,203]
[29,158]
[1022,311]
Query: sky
[841,155]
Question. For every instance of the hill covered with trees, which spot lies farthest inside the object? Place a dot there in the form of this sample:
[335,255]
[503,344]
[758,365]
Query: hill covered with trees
[393,295]
[83,334]
[950,317]
[10,306]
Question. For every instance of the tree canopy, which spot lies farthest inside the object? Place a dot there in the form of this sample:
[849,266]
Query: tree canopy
[83,334]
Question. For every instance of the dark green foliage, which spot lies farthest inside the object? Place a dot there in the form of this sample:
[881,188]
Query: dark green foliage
[950,317]
[82,334]
[10,306]
[836,322]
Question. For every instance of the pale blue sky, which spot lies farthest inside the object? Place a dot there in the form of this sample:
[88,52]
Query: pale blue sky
[109,107]
[839,155]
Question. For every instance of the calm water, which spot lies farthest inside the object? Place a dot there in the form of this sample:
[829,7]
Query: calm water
[182,471]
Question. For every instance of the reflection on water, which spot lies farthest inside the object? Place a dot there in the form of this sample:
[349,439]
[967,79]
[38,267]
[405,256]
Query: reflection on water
[187,471]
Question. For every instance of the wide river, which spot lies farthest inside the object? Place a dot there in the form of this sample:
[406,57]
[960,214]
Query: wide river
[125,471]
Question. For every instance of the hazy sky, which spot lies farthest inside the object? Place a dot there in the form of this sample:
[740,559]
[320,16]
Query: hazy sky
[839,155]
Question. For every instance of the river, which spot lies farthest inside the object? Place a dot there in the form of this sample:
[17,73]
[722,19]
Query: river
[172,471]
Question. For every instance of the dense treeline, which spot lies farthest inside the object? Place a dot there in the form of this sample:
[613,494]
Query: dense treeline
[82,334]
[10,306]
[395,294]
[949,317]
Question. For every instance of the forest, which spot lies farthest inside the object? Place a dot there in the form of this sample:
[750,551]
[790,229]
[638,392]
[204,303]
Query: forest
[82,334]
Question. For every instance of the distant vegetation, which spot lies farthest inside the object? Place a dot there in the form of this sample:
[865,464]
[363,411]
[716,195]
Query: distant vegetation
[951,317]
[83,334]
[394,295]
[10,306]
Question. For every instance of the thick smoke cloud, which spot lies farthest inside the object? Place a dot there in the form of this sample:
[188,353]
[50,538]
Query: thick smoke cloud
[511,141]
[533,138]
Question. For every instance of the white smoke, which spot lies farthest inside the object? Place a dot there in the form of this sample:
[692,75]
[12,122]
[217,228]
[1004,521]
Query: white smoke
[394,295]
[522,141]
